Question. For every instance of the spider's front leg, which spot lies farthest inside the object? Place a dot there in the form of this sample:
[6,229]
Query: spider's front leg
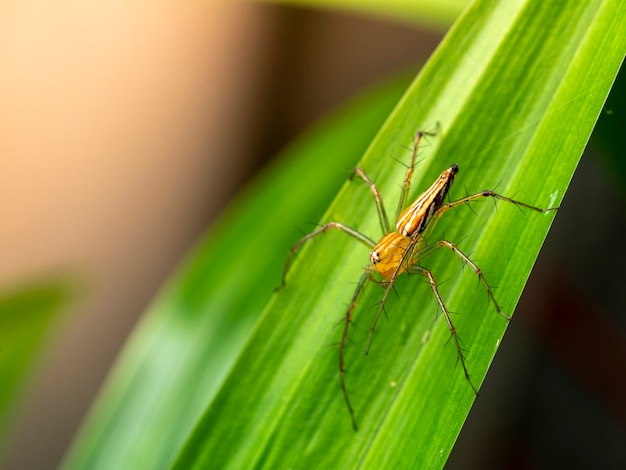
[324,228]
[382,215]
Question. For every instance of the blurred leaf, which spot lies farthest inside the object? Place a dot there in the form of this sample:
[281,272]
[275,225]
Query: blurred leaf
[434,14]
[178,357]
[517,87]
[25,317]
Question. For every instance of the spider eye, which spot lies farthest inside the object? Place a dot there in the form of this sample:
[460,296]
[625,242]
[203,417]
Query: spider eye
[374,257]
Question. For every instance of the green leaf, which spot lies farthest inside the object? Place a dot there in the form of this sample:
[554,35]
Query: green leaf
[517,87]
[178,356]
[26,315]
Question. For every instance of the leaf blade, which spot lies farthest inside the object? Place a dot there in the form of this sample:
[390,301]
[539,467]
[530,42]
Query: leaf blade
[26,316]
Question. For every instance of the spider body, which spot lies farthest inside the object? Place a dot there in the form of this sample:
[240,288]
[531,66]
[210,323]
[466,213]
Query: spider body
[390,253]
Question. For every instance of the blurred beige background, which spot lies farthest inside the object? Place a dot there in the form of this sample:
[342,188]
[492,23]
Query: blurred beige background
[121,138]
[124,130]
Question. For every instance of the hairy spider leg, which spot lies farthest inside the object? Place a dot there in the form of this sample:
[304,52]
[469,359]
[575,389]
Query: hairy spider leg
[455,337]
[459,253]
[466,260]
[324,228]
[380,206]
[406,184]
[489,193]
[344,337]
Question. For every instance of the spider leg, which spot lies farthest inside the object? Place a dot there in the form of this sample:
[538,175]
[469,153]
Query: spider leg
[344,337]
[455,337]
[454,249]
[406,184]
[324,228]
[489,193]
[382,214]
[423,253]
[381,308]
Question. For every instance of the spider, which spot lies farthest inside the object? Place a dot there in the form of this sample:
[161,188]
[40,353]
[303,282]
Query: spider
[401,250]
